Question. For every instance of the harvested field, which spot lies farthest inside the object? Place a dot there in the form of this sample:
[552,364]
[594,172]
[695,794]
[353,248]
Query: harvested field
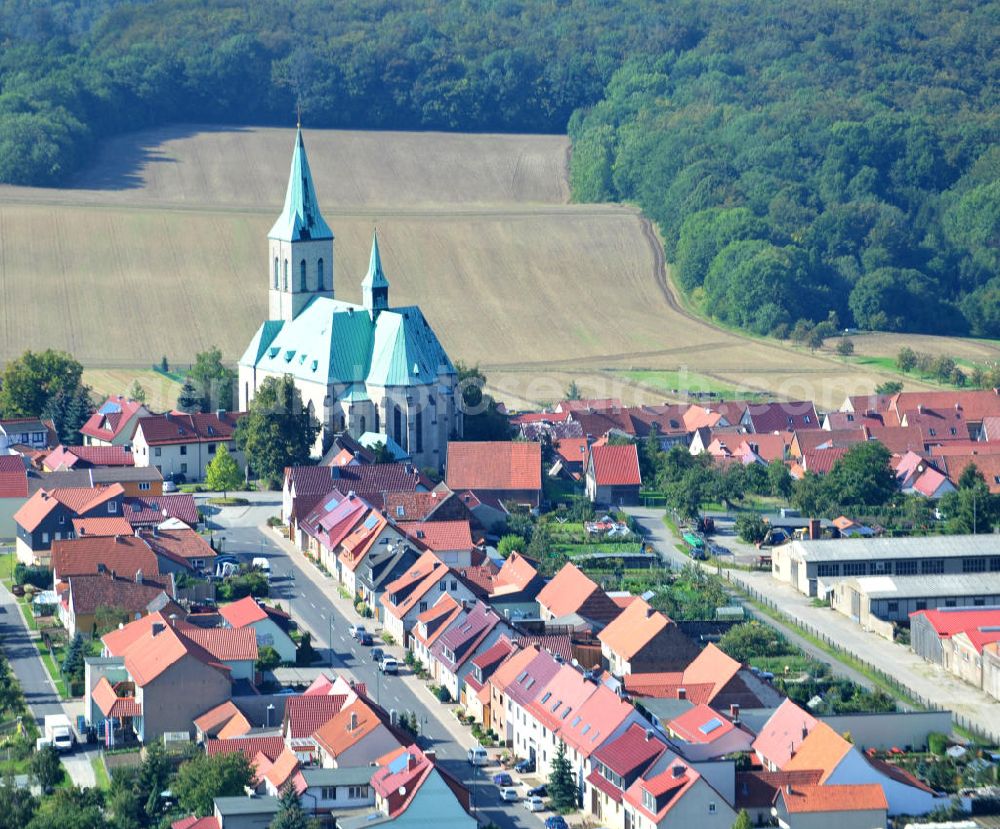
[161,391]
[159,249]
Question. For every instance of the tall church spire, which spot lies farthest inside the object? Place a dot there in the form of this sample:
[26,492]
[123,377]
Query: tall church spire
[300,218]
[375,287]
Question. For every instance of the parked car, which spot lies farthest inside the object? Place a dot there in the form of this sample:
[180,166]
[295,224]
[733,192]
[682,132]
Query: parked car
[365,638]
[377,655]
[503,779]
[538,791]
[478,756]
[509,794]
[388,665]
[556,822]
[169,486]
[534,803]
[525,766]
[356,630]
[286,692]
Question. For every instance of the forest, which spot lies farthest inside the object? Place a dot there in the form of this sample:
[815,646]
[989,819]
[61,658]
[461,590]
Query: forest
[798,159]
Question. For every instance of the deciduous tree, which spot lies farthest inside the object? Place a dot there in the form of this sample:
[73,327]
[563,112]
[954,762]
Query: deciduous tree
[223,473]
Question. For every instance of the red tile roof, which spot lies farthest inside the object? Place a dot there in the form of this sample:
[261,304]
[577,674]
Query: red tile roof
[595,720]
[249,747]
[89,592]
[193,822]
[109,421]
[13,477]
[783,733]
[515,575]
[790,416]
[402,594]
[503,465]
[435,620]
[124,555]
[337,735]
[216,717]
[225,644]
[756,789]
[244,612]
[180,545]
[401,775]
[177,427]
[822,461]
[988,465]
[78,500]
[700,724]
[152,510]
[571,591]
[157,649]
[441,536]
[78,457]
[372,482]
[823,749]
[403,507]
[864,797]
[356,545]
[949,621]
[667,787]
[305,715]
[616,465]
[571,450]
[102,525]
[632,752]
[635,628]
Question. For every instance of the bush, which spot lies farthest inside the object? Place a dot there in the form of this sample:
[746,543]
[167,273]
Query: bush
[443,694]
[937,743]
[845,348]
[40,577]
[388,638]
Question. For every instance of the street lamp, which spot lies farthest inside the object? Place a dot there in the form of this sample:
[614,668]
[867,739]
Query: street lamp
[270,710]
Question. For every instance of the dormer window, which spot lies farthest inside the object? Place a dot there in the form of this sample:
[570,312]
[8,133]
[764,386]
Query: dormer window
[648,801]
[112,507]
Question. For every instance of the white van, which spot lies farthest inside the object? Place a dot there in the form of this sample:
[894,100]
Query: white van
[478,756]
[263,565]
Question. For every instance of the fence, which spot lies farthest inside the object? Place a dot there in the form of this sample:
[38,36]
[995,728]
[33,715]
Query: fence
[901,689]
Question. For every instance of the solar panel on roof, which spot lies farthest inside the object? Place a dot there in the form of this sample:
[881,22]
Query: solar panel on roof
[400,763]
[371,521]
[710,726]
[110,408]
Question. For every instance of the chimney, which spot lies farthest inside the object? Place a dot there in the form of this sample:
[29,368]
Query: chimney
[354,722]
[682,693]
[83,531]
[219,413]
[156,532]
[138,576]
[805,732]
[158,628]
[678,771]
[649,612]
[102,567]
[119,540]
[789,790]
[649,734]
[734,712]
[920,408]
[815,528]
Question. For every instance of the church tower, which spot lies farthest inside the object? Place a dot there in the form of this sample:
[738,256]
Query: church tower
[375,287]
[300,245]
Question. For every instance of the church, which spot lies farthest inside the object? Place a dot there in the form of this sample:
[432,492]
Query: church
[361,369]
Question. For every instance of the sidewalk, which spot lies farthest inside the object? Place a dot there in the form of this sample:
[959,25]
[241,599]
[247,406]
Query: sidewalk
[330,588]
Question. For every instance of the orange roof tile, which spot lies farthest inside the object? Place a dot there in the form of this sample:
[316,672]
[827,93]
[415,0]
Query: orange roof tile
[515,575]
[783,732]
[359,541]
[595,720]
[864,797]
[79,500]
[512,667]
[337,735]
[282,769]
[700,724]
[561,697]
[242,613]
[216,717]
[271,747]
[570,590]
[402,594]
[225,644]
[711,666]
[511,465]
[441,536]
[635,628]
[124,555]
[180,545]
[102,525]
[823,749]
[616,465]
[435,620]
[238,726]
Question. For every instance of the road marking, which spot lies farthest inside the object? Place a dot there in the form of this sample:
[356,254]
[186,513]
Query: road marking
[312,605]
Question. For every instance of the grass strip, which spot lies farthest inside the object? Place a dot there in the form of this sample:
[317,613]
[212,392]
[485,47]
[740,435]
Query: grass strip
[101,778]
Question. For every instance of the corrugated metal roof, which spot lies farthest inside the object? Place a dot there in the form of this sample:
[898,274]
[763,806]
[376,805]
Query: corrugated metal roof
[940,546]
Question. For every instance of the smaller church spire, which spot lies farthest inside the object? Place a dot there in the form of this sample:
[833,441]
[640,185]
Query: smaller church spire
[375,287]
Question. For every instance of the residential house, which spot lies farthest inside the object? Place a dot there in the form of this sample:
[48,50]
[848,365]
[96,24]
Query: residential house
[114,423]
[87,457]
[13,492]
[756,790]
[305,715]
[380,567]
[450,541]
[860,806]
[842,763]
[27,433]
[672,793]
[265,622]
[47,516]
[474,630]
[327,525]
[516,684]
[357,735]
[514,589]
[780,737]
[180,550]
[416,590]
[372,532]
[271,746]
[573,598]
[614,767]
[918,476]
[643,640]
[431,624]
[987,465]
[537,733]
[125,556]
[135,481]
[150,511]
[274,776]
[181,446]
[496,471]
[412,792]
[702,733]
[613,476]
[323,791]
[439,505]
[476,693]
[786,416]
[133,598]
[106,525]
[571,453]
[173,677]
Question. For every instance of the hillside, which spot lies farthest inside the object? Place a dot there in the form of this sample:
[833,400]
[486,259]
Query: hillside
[538,292]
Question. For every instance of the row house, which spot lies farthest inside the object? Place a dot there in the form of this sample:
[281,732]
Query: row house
[47,516]
[643,640]
[473,630]
[431,624]
[181,446]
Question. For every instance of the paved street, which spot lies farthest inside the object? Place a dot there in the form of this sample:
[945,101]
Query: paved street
[38,690]
[926,680]
[316,605]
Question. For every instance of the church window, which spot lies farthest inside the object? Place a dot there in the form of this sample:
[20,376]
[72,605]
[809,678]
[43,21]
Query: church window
[362,424]
[378,420]
[302,276]
[284,285]
[319,275]
[275,272]
[397,425]
[419,429]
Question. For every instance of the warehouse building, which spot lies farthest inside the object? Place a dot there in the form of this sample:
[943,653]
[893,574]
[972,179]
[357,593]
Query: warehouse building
[814,567]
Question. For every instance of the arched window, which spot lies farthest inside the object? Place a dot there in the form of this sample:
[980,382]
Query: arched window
[343,423]
[276,273]
[302,276]
[362,424]
[378,419]
[397,425]
[418,427]
[319,275]
[285,282]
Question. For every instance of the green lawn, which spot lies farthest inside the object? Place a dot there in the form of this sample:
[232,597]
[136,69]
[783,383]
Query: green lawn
[100,772]
[678,382]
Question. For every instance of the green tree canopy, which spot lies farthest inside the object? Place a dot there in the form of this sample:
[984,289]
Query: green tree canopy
[562,782]
[863,476]
[29,382]
[278,431]
[223,474]
[213,380]
[290,813]
[202,778]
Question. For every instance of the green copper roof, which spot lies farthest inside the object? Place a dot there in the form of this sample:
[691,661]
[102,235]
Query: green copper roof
[375,278]
[300,219]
